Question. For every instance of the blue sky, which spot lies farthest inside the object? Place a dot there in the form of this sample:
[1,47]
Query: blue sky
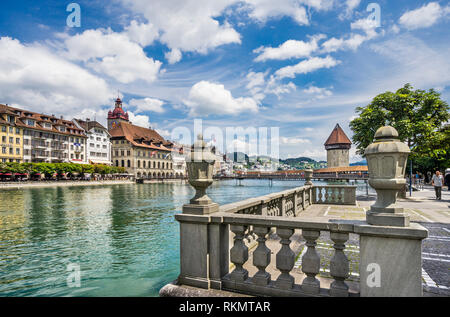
[300,65]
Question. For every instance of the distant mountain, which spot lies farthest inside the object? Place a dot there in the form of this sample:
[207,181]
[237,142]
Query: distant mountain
[291,161]
[360,163]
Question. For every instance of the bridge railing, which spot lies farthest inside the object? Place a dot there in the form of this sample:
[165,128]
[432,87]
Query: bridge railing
[334,195]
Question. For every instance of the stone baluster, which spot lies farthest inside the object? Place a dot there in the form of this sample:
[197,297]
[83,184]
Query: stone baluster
[311,262]
[333,195]
[339,265]
[295,208]
[304,198]
[261,257]
[319,200]
[340,190]
[282,205]
[285,259]
[327,196]
[239,253]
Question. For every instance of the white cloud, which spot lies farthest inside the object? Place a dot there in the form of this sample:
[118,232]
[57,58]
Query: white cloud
[111,53]
[262,10]
[284,140]
[350,6]
[289,49]
[173,56]
[187,25]
[422,17]
[147,104]
[139,120]
[306,66]
[255,79]
[35,78]
[141,33]
[320,92]
[354,40]
[207,98]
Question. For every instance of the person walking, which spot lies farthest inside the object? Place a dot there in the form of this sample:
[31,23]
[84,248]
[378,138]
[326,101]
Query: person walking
[437,181]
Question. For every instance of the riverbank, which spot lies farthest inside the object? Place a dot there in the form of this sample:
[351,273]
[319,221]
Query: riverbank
[38,184]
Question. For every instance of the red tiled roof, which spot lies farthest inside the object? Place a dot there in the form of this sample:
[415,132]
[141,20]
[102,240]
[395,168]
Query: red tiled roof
[338,136]
[40,119]
[141,137]
[343,169]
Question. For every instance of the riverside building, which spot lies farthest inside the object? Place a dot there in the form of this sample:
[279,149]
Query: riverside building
[47,138]
[141,151]
[11,136]
[98,146]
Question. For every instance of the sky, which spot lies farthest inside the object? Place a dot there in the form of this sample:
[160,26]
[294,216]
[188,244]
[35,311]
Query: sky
[298,65]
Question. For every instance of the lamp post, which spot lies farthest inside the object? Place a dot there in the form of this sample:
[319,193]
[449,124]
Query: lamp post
[387,159]
[200,167]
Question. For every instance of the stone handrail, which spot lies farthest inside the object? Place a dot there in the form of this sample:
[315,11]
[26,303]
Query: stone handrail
[286,203]
[334,195]
[291,202]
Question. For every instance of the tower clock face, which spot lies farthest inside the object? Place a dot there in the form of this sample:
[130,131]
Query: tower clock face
[114,124]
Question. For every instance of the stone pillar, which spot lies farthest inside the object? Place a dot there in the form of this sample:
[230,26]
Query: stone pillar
[203,244]
[386,159]
[390,260]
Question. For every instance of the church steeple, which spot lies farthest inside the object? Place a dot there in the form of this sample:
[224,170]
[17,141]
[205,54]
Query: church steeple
[117,115]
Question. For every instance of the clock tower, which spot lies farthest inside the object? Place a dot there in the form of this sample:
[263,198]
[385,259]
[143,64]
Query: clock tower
[117,116]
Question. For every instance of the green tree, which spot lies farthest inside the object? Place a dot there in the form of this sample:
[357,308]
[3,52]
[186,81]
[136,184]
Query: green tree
[419,117]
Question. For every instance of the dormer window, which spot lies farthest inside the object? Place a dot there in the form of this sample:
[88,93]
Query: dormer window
[47,125]
[62,129]
[30,122]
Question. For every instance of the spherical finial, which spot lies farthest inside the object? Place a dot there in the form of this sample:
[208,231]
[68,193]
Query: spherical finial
[386,132]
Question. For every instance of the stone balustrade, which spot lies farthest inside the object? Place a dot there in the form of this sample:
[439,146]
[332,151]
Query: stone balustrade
[291,202]
[206,256]
[334,195]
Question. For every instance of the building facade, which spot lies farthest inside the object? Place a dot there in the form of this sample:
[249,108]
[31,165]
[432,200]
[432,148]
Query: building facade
[11,136]
[141,151]
[338,146]
[47,138]
[98,146]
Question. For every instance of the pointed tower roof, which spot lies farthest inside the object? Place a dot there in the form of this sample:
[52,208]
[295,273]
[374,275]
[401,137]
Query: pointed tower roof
[337,136]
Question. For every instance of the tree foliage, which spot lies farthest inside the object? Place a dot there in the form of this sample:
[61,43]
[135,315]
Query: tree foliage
[419,117]
[50,169]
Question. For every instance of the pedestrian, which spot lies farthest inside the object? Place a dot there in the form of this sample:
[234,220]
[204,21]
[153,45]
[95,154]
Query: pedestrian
[437,181]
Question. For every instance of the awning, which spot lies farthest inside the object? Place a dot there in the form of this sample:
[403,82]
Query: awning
[100,162]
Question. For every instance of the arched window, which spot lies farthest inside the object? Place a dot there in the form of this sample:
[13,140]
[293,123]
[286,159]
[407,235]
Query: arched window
[162,165]
[139,164]
[159,164]
[129,163]
[117,162]
[143,164]
[123,163]
[154,164]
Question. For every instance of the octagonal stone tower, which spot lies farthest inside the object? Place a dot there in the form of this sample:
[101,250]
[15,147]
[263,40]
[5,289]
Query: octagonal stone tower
[338,146]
